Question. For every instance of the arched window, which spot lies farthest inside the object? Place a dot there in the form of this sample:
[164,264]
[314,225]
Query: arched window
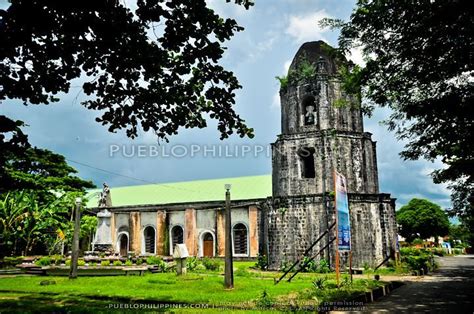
[149,236]
[240,239]
[310,115]
[177,237]
[307,162]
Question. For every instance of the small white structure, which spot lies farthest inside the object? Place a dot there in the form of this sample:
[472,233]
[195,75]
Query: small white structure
[179,255]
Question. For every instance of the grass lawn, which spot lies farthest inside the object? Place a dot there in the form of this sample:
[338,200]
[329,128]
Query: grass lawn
[94,294]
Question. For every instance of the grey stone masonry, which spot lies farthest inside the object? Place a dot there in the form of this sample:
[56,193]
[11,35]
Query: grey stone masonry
[322,132]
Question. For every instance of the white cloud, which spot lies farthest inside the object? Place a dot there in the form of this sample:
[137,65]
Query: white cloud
[305,27]
[355,56]
[286,66]
[276,100]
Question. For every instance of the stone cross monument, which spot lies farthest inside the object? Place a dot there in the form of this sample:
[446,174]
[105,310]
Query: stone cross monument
[103,235]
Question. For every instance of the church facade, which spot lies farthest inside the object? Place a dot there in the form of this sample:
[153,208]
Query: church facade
[281,215]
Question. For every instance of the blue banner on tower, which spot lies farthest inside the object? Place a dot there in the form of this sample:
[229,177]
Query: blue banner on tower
[343,217]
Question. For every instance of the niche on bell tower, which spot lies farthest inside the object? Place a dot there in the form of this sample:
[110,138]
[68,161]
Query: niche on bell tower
[310,114]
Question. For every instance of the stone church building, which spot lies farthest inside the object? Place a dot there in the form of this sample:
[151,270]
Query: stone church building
[278,215]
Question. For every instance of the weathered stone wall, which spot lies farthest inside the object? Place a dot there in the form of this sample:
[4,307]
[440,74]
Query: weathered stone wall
[294,223]
[352,154]
[318,117]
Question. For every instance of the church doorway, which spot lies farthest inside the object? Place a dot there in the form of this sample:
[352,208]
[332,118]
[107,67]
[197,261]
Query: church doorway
[123,244]
[208,245]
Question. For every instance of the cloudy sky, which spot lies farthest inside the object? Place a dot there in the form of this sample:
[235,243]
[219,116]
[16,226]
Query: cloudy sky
[274,30]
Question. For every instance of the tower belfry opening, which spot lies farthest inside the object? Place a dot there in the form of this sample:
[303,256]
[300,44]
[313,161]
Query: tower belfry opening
[306,155]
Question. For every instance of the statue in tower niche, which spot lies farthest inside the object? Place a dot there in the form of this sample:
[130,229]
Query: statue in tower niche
[309,116]
[303,184]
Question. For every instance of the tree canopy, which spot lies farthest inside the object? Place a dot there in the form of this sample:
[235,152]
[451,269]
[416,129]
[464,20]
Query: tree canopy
[42,171]
[419,63]
[423,219]
[156,67]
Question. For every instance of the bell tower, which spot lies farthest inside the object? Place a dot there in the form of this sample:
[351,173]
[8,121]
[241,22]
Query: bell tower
[322,132]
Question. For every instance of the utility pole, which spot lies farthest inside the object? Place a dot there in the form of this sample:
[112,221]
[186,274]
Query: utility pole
[75,239]
[229,268]
[325,200]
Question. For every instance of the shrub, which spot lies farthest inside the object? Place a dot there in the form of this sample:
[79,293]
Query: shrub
[139,261]
[262,262]
[191,263]
[105,263]
[324,267]
[417,259]
[117,263]
[211,264]
[56,259]
[68,262]
[285,265]
[81,262]
[11,261]
[319,283]
[155,260]
[309,265]
[128,263]
[264,302]
[43,261]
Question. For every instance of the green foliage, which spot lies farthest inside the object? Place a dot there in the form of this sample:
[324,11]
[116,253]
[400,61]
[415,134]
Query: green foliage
[419,64]
[211,264]
[264,301]
[117,263]
[128,263]
[192,263]
[190,289]
[242,271]
[26,224]
[154,260]
[324,267]
[43,261]
[68,262]
[283,80]
[192,80]
[105,263]
[285,265]
[309,265]
[81,262]
[417,259]
[462,199]
[42,171]
[305,70]
[139,261]
[319,283]
[10,261]
[422,218]
[262,262]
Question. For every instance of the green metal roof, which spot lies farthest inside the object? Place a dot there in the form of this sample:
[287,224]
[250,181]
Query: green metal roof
[252,187]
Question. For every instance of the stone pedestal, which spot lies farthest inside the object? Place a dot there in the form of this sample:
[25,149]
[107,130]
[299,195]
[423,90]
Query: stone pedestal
[103,235]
